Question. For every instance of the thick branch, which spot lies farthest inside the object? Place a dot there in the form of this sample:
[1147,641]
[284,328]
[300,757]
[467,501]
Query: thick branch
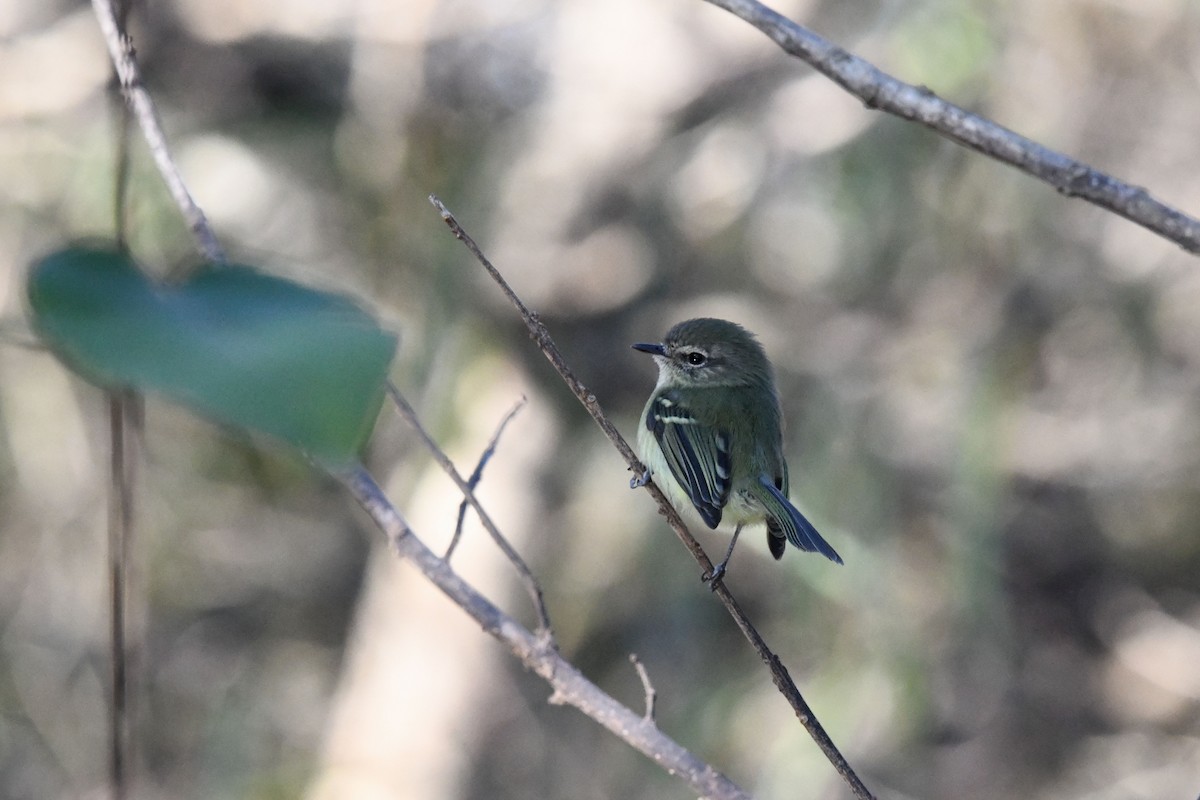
[879,90]
[779,674]
[569,685]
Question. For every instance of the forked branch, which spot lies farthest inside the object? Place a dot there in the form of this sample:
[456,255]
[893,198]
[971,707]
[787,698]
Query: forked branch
[527,579]
[779,674]
[477,474]
[569,685]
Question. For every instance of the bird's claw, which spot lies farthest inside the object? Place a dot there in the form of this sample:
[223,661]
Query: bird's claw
[638,481]
[714,577]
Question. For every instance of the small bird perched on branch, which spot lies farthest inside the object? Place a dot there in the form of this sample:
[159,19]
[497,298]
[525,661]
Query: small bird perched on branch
[712,436]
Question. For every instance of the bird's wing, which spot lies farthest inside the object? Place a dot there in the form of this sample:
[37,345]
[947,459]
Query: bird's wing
[698,454]
[798,530]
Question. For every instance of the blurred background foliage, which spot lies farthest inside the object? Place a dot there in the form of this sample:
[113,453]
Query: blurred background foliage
[991,393]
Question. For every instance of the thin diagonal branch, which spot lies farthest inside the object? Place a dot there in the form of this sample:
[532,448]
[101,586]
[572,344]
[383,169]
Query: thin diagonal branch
[120,50]
[527,579]
[879,90]
[569,684]
[541,337]
[477,473]
[779,674]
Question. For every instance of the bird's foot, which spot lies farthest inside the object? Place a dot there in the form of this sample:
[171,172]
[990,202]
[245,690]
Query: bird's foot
[638,481]
[718,573]
[715,577]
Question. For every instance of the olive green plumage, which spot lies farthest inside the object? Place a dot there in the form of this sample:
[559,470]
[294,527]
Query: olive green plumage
[712,435]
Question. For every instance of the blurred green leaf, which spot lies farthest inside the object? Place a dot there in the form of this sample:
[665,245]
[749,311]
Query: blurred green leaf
[244,348]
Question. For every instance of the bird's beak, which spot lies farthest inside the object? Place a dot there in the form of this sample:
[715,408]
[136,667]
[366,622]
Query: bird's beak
[652,349]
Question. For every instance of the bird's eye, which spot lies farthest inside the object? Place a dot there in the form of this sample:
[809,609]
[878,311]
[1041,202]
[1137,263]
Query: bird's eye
[696,358]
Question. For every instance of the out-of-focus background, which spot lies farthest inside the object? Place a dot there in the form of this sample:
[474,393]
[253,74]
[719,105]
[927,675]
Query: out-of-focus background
[991,390]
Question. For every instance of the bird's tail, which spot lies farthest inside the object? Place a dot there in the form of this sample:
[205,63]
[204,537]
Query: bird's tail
[798,530]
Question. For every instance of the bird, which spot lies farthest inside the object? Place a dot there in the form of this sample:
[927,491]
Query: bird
[711,436]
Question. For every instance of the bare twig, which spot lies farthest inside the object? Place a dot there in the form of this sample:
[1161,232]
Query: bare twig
[120,531]
[879,90]
[779,674]
[568,683]
[120,50]
[527,579]
[124,416]
[541,336]
[124,121]
[121,187]
[647,687]
[473,481]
